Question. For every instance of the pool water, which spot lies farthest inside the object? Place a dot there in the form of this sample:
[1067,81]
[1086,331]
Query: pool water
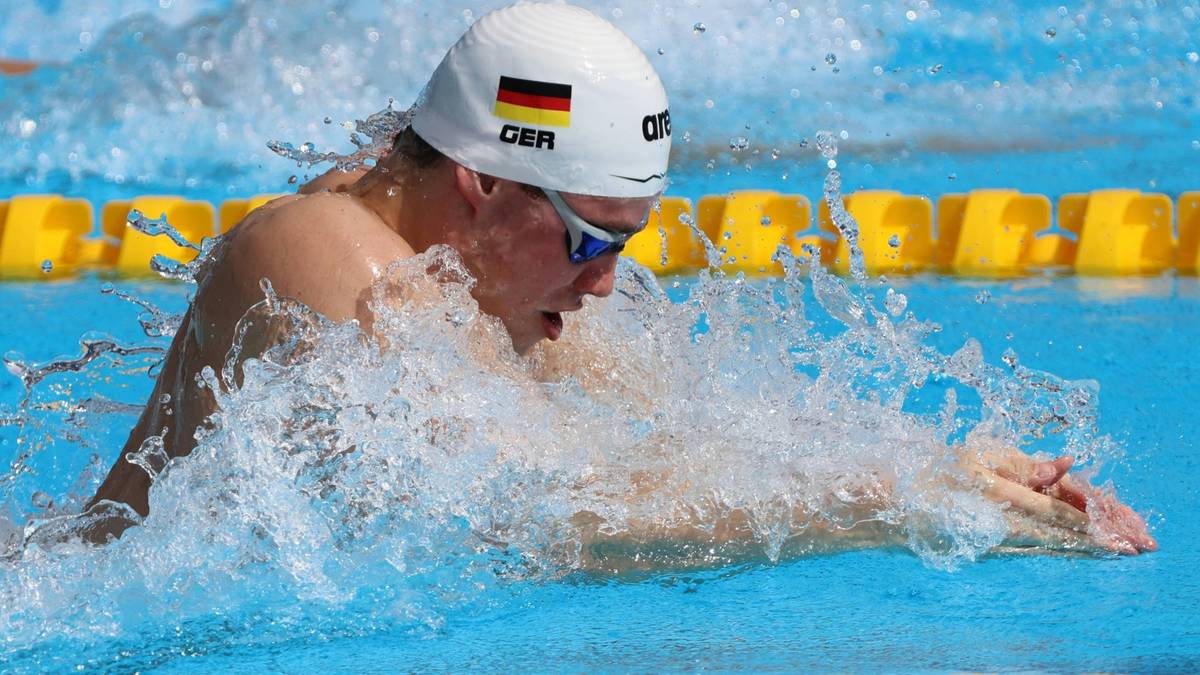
[870,610]
[182,96]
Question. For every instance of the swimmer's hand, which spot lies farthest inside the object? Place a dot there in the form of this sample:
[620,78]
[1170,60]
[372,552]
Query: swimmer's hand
[1048,506]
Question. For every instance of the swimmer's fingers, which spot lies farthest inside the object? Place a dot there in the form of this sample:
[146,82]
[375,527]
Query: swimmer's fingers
[1040,506]
[1108,525]
[1071,491]
[1046,492]
[1025,533]
[1113,522]
[1046,477]
[1033,474]
[1120,524]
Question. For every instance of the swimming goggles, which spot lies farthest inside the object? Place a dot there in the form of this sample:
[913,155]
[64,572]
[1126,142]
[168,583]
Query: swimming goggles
[586,241]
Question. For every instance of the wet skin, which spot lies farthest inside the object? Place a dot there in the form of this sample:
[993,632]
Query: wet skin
[327,247]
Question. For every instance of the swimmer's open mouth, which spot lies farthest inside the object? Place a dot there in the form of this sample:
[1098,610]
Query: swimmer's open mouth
[552,323]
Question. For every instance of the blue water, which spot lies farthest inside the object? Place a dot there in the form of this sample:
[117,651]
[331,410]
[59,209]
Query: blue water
[138,97]
[181,97]
[864,611]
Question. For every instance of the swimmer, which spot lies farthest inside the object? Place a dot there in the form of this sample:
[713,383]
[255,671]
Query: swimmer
[536,151]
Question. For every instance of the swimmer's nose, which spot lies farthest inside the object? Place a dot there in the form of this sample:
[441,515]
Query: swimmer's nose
[598,276]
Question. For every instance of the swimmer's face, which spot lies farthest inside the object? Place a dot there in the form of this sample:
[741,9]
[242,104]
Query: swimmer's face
[516,247]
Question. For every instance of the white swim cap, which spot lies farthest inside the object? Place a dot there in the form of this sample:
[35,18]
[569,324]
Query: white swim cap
[553,96]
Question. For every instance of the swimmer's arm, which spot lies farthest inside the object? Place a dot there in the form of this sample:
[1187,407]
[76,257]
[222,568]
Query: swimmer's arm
[728,540]
[1039,519]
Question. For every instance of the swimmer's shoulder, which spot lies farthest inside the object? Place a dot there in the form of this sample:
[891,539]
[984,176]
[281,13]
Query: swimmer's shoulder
[324,249]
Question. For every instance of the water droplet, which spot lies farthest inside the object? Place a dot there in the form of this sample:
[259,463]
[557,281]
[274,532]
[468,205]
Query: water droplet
[983,296]
[709,104]
[766,220]
[47,266]
[831,58]
[895,302]
[698,28]
[935,69]
[894,241]
[1050,32]
[41,500]
[1193,57]
[164,399]
[776,153]
[952,176]
[661,51]
[292,180]
[1008,335]
[738,143]
[328,120]
[910,15]
[728,235]
[107,288]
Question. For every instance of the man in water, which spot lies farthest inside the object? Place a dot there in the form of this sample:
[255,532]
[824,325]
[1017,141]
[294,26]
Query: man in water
[537,150]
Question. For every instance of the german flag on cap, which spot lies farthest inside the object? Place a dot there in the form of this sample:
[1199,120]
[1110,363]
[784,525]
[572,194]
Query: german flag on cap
[544,104]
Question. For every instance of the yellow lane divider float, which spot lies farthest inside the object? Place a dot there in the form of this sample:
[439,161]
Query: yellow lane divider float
[898,239]
[42,234]
[673,217]
[997,232]
[129,250]
[1120,231]
[983,233]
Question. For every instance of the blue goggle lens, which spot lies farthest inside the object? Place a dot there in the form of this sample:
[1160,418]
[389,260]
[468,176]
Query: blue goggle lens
[591,248]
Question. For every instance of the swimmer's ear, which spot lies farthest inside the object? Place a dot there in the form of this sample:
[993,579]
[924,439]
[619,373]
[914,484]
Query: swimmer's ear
[474,187]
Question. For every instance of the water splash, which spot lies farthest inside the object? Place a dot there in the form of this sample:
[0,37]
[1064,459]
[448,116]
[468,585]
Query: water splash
[380,129]
[154,321]
[52,414]
[358,473]
[842,220]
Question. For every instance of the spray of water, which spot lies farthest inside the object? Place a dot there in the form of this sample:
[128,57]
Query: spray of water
[403,474]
